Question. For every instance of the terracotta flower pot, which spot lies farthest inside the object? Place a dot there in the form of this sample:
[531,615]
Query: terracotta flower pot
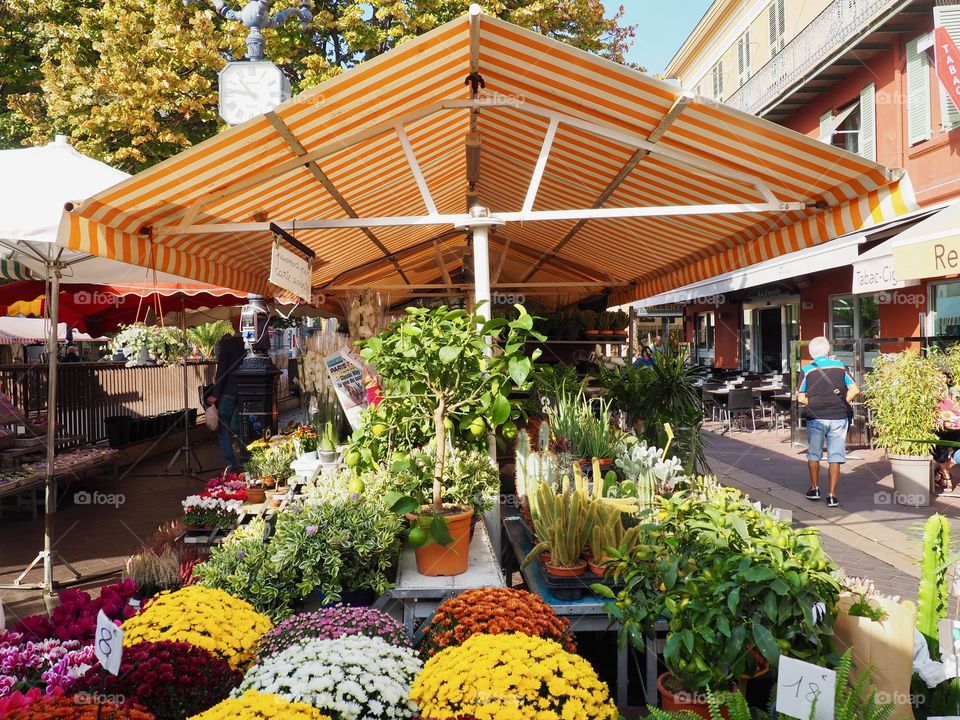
[595,569]
[573,571]
[437,560]
[256,495]
[680,700]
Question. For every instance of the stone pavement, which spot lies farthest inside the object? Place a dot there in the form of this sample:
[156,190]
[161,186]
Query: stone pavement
[868,535]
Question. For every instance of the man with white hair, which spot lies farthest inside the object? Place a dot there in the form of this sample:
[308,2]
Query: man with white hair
[825,393]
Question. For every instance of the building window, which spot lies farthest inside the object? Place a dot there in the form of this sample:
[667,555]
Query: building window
[705,338]
[854,317]
[852,127]
[717,73]
[743,59]
[945,308]
[778,26]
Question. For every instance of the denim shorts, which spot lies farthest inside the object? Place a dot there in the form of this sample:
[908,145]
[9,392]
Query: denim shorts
[834,432]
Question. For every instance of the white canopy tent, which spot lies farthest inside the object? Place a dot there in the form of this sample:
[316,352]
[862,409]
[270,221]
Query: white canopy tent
[23,331]
[43,181]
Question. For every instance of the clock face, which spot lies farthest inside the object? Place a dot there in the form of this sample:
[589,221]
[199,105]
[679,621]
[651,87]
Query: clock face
[248,89]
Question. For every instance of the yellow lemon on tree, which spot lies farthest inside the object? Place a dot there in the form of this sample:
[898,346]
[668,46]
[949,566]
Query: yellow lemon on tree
[355,485]
[378,429]
[352,458]
[509,430]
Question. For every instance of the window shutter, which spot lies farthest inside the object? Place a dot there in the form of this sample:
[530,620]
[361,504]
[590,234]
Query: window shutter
[718,80]
[743,58]
[948,17]
[772,23]
[826,127]
[868,123]
[919,123]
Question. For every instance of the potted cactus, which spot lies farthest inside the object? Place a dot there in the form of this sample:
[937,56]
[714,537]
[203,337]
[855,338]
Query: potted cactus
[328,444]
[564,521]
[588,318]
[609,533]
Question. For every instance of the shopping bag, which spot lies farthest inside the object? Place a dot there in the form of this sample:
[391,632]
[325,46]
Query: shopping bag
[211,417]
[886,645]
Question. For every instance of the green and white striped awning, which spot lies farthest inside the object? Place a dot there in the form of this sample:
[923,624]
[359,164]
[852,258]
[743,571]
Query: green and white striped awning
[12,270]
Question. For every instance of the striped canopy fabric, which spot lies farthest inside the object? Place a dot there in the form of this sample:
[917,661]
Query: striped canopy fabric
[12,270]
[605,177]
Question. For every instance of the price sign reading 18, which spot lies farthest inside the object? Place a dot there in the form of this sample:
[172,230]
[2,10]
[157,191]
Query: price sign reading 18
[108,644]
[800,684]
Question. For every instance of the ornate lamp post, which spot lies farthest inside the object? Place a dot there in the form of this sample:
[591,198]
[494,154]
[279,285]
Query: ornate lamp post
[256,15]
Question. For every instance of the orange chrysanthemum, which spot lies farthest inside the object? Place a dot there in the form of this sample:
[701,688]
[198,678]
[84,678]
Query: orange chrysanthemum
[494,611]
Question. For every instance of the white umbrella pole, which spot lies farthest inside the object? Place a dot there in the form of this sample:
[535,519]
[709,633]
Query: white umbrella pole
[50,494]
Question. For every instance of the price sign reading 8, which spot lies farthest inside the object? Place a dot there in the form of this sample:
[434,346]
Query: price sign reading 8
[800,685]
[109,644]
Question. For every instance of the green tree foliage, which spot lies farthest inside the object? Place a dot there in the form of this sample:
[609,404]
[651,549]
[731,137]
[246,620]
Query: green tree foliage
[134,83]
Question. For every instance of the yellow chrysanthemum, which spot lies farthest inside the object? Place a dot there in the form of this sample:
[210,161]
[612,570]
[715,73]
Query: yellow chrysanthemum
[503,677]
[260,706]
[206,617]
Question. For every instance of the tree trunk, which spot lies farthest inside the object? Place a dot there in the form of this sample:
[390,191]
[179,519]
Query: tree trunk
[441,429]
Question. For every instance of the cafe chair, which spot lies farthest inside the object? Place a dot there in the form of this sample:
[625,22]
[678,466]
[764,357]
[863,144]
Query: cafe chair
[739,403]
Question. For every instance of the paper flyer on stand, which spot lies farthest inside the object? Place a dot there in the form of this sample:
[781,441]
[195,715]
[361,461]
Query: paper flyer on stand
[346,375]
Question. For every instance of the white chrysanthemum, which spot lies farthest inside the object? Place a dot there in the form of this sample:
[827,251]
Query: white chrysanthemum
[355,677]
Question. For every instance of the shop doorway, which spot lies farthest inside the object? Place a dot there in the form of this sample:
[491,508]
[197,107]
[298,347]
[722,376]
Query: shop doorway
[770,324]
[768,328]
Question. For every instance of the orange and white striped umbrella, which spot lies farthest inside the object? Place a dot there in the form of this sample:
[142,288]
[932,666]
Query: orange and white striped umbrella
[604,177]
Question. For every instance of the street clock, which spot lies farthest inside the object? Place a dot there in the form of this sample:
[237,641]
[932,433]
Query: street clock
[248,89]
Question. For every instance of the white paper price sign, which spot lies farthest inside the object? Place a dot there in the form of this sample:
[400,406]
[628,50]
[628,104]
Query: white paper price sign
[799,684]
[109,644]
[291,272]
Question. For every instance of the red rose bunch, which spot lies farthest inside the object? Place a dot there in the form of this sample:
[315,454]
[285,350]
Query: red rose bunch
[76,616]
[494,611]
[172,680]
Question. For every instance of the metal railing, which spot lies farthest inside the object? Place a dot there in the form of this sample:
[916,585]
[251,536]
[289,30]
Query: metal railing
[830,31]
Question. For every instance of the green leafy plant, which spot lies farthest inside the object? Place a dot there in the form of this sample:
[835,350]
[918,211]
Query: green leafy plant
[163,344]
[437,362]
[328,441]
[588,320]
[584,427]
[469,478]
[933,597]
[206,336]
[903,393]
[662,394]
[721,705]
[855,700]
[724,575]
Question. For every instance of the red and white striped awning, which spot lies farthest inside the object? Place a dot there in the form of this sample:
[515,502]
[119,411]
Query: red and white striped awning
[605,177]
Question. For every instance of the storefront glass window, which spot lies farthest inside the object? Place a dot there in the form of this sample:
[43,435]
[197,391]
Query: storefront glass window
[706,324]
[842,317]
[869,316]
[945,301]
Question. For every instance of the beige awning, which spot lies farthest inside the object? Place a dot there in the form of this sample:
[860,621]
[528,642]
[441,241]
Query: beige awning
[930,249]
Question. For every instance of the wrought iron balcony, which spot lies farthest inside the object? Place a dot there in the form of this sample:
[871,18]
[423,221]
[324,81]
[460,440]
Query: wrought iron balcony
[833,30]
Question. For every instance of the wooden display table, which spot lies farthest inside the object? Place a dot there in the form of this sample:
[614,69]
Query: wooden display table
[421,594]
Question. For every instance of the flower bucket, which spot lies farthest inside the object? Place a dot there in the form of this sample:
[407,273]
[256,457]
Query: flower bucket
[444,560]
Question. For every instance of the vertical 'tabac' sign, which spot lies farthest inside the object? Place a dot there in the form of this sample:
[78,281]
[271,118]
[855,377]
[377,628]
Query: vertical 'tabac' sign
[948,58]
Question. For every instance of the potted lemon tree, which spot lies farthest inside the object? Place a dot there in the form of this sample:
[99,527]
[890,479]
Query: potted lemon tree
[438,364]
[903,392]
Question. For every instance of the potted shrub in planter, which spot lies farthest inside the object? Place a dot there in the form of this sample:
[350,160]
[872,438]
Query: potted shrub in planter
[438,363]
[588,320]
[903,392]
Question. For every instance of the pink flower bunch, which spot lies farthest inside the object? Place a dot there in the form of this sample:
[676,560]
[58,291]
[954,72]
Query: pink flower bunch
[226,484]
[76,616]
[51,665]
[333,623]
